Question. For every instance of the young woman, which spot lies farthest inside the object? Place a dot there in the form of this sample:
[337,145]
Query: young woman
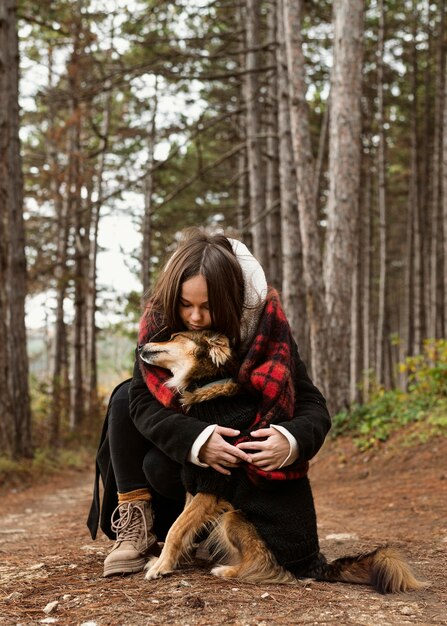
[212,282]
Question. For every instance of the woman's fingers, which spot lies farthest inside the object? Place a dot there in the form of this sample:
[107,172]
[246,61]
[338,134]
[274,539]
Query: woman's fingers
[217,452]
[269,453]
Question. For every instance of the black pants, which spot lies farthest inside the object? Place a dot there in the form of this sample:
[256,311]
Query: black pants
[137,464]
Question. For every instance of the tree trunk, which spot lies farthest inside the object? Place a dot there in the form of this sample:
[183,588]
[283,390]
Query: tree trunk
[418,190]
[425,173]
[95,213]
[7,420]
[344,179]
[272,197]
[243,201]
[242,217]
[444,202]
[148,200]
[256,169]
[366,252]
[433,317]
[16,277]
[293,293]
[381,176]
[308,219]
[80,233]
[60,397]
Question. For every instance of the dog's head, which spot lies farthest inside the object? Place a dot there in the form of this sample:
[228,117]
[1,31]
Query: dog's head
[190,356]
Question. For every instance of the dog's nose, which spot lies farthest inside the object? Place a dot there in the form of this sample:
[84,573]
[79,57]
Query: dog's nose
[140,347]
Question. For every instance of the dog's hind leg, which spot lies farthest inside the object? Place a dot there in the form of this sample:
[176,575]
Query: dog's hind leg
[248,556]
[202,510]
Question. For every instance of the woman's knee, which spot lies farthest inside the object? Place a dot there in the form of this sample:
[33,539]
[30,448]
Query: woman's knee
[163,475]
[119,405]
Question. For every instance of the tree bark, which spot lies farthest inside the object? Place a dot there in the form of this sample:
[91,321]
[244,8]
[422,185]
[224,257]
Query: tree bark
[60,397]
[293,293]
[256,169]
[444,203]
[305,175]
[81,229]
[16,276]
[434,309]
[381,179]
[148,200]
[272,193]
[366,253]
[417,190]
[344,183]
[7,420]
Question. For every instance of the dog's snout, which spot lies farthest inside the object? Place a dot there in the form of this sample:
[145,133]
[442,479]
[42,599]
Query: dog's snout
[140,347]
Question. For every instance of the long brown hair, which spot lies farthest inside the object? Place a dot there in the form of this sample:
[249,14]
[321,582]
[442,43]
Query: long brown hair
[212,257]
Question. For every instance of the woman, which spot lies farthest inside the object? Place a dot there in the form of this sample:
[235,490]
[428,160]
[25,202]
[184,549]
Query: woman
[211,282]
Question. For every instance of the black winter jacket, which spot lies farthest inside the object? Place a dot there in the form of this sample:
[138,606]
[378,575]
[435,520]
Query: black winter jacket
[282,511]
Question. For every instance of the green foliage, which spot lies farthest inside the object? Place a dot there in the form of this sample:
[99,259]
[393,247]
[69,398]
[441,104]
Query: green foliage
[423,405]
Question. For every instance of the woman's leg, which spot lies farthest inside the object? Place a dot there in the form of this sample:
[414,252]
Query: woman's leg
[128,447]
[133,519]
[168,493]
[163,475]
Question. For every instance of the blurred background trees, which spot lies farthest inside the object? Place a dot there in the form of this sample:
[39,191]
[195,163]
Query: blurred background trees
[314,131]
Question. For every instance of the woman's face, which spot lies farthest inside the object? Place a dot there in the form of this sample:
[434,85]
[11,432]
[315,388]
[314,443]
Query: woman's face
[193,304]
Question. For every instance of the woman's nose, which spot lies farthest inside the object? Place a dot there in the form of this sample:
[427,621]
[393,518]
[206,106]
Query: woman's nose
[195,314]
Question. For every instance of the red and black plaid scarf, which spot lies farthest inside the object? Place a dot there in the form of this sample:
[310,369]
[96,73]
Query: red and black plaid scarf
[267,369]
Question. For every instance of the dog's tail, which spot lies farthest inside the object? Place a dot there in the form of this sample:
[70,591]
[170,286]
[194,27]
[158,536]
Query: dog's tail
[383,568]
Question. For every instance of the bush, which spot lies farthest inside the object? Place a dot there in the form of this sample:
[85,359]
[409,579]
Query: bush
[45,464]
[424,402]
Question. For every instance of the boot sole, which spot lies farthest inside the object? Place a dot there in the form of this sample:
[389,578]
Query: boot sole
[124,567]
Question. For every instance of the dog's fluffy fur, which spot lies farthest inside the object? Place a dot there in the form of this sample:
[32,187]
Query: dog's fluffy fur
[196,356]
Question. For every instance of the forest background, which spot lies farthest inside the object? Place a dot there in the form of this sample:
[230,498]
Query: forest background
[314,131]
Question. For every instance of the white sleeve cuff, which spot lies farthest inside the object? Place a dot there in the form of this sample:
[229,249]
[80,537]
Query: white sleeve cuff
[193,456]
[293,451]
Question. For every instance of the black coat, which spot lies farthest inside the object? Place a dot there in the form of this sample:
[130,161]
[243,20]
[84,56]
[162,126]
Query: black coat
[284,509]
[175,434]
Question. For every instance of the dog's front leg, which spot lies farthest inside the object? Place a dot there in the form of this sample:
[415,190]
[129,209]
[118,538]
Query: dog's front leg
[202,510]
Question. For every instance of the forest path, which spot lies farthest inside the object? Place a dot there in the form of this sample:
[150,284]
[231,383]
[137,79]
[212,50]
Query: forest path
[396,496]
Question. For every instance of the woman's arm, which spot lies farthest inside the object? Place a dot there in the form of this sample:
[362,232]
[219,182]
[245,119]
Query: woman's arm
[174,433]
[311,421]
[308,427]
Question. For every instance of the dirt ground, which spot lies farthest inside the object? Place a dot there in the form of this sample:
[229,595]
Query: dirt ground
[396,496]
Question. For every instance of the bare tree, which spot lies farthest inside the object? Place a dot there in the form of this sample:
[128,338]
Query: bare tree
[6,422]
[434,309]
[272,193]
[14,233]
[305,177]
[293,292]
[344,185]
[81,229]
[444,200]
[381,176]
[256,168]
[148,199]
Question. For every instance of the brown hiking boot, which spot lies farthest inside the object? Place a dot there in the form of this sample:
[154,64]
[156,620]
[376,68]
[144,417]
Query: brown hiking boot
[134,539]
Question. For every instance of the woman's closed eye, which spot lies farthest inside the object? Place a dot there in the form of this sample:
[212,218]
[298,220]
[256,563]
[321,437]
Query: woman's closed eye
[186,305]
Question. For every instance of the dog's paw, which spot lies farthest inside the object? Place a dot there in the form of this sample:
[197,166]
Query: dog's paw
[152,574]
[156,569]
[151,562]
[156,572]
[224,571]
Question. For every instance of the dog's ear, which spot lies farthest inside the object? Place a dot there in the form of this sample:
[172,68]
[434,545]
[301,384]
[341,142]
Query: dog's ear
[219,349]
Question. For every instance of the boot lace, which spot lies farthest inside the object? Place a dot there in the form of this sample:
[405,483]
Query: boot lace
[128,525]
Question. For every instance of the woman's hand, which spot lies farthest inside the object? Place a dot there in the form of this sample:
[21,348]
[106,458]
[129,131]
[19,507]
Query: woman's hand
[221,455]
[270,453]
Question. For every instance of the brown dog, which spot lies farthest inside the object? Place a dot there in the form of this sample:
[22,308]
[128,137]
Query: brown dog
[196,356]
